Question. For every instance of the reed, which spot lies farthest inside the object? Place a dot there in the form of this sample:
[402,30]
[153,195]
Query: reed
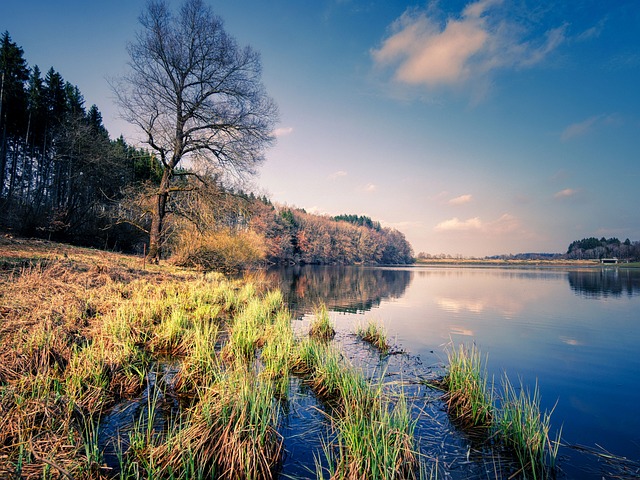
[326,371]
[516,422]
[247,330]
[373,436]
[526,430]
[469,397]
[201,364]
[376,443]
[273,301]
[92,453]
[321,326]
[229,433]
[80,332]
[375,334]
[277,353]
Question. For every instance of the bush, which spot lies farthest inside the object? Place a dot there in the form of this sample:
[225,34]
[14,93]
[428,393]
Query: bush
[223,250]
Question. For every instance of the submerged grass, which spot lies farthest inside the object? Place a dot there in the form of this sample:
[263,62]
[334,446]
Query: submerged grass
[80,331]
[469,397]
[373,436]
[526,430]
[230,432]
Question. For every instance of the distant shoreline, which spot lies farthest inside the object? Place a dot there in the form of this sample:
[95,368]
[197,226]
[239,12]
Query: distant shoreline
[520,263]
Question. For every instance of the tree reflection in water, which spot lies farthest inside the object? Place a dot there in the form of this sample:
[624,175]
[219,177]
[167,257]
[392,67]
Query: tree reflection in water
[342,289]
[605,282]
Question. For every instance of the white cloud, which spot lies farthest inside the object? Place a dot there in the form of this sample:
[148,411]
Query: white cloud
[281,132]
[505,224]
[586,126]
[593,32]
[461,200]
[566,193]
[425,55]
[420,50]
[338,174]
[455,224]
[370,187]
[579,129]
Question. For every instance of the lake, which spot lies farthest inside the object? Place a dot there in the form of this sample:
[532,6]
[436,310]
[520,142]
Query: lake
[575,332]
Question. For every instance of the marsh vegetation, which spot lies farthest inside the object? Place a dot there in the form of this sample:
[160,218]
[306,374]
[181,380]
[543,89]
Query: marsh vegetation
[201,362]
[510,418]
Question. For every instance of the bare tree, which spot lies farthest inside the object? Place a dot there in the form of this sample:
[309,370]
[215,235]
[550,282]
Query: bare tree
[196,95]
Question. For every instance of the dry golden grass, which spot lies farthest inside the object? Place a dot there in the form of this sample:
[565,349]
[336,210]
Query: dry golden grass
[79,329]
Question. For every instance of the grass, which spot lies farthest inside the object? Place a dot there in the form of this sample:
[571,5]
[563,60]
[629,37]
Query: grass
[469,397]
[321,326]
[526,430]
[517,422]
[373,436]
[80,330]
[229,433]
[375,334]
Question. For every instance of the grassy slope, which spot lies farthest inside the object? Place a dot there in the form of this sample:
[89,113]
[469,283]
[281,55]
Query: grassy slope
[79,332]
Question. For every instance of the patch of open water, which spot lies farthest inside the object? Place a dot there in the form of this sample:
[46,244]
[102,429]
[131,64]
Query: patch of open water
[574,332]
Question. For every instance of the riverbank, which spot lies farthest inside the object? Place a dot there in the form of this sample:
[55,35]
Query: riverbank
[113,368]
[116,368]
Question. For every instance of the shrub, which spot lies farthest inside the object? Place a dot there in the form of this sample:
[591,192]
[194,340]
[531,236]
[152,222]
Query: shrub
[223,250]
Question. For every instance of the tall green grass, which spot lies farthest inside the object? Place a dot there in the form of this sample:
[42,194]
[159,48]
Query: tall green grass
[375,334]
[469,396]
[373,436]
[321,326]
[278,351]
[229,433]
[514,419]
[526,430]
[83,337]
[201,363]
[69,359]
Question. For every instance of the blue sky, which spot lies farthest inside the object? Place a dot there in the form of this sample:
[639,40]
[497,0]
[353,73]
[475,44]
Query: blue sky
[475,128]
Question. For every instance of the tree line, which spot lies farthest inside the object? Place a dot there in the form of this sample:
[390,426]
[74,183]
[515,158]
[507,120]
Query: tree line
[227,226]
[63,178]
[593,248]
[60,174]
[296,236]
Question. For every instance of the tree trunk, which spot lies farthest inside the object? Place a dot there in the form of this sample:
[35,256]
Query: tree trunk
[3,157]
[157,220]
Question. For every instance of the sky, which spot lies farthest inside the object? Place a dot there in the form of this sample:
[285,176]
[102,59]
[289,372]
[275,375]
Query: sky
[475,128]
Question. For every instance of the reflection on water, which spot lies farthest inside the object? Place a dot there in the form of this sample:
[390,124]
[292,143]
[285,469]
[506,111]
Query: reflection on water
[604,282]
[575,332]
[343,289]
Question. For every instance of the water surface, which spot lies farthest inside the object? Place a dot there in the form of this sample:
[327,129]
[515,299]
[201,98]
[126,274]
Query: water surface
[573,331]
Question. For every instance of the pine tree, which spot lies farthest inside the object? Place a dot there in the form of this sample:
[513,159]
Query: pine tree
[13,75]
